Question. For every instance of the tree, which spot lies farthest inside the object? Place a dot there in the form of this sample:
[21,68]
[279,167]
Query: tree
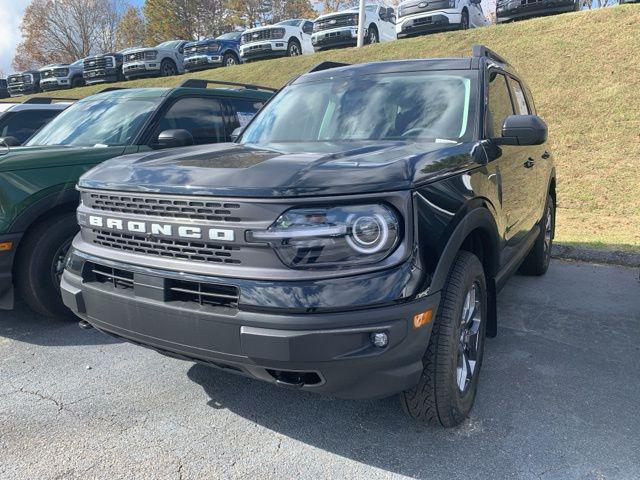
[286,9]
[330,6]
[131,29]
[66,30]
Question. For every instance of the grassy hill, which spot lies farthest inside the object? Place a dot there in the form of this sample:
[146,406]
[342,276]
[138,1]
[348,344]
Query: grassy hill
[584,70]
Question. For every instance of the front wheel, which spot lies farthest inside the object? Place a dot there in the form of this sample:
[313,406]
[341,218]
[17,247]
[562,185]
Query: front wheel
[40,264]
[372,36]
[229,59]
[294,49]
[447,388]
[464,21]
[168,68]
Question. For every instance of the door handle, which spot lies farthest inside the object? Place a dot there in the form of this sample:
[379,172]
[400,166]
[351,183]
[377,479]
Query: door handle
[546,155]
[529,163]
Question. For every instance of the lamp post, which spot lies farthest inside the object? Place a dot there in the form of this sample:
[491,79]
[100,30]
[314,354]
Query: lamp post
[361,24]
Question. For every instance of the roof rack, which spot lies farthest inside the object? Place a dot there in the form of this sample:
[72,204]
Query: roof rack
[482,51]
[48,100]
[327,65]
[202,83]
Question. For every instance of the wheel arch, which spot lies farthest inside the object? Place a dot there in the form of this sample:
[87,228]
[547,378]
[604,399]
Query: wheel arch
[61,201]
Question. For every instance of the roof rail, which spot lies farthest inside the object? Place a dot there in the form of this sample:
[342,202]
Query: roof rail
[111,89]
[48,100]
[202,83]
[482,51]
[327,65]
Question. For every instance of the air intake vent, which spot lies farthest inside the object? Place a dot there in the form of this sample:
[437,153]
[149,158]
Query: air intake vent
[203,293]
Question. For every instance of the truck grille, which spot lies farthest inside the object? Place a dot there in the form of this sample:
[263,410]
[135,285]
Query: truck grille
[266,34]
[55,72]
[337,21]
[183,250]
[164,207]
[134,57]
[202,49]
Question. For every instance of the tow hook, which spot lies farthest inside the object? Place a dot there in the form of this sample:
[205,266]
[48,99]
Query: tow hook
[83,324]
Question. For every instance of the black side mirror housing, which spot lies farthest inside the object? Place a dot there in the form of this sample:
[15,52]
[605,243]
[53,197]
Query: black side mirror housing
[522,130]
[236,134]
[174,138]
[10,141]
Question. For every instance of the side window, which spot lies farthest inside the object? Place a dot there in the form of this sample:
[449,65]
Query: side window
[308,27]
[202,117]
[499,106]
[22,125]
[242,111]
[519,98]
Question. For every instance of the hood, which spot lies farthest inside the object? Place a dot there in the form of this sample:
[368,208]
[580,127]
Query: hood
[24,158]
[281,170]
[264,27]
[55,65]
[337,14]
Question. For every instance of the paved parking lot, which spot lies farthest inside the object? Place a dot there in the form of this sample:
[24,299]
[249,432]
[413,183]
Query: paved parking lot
[558,399]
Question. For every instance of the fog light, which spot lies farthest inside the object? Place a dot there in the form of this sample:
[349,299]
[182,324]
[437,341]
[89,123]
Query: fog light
[379,339]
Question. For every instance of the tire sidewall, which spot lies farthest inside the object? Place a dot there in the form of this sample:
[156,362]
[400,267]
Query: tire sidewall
[293,43]
[164,68]
[464,25]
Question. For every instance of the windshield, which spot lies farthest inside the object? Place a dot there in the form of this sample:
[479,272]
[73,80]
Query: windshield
[426,106]
[230,36]
[98,122]
[291,23]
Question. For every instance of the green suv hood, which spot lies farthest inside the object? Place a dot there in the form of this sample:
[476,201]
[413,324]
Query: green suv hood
[26,158]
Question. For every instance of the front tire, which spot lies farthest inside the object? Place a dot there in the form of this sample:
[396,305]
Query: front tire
[40,263]
[447,388]
[294,49]
[537,261]
[168,68]
[372,35]
[229,59]
[464,21]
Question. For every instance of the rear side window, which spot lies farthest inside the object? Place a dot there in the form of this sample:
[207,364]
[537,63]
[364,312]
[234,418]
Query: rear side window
[242,111]
[519,98]
[201,117]
[22,125]
[500,106]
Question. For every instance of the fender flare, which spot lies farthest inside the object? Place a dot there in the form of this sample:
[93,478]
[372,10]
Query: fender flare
[48,203]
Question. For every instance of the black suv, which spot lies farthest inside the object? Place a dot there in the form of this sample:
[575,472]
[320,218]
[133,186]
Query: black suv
[23,83]
[351,242]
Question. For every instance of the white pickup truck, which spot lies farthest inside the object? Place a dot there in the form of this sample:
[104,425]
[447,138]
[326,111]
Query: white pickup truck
[417,17]
[288,38]
[340,29]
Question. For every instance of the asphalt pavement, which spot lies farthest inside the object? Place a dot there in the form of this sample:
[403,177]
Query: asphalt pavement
[559,398]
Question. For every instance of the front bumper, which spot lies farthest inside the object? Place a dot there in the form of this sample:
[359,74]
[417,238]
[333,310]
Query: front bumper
[141,69]
[427,22]
[57,83]
[266,49]
[202,62]
[330,353]
[19,90]
[6,268]
[520,9]
[333,38]
[101,76]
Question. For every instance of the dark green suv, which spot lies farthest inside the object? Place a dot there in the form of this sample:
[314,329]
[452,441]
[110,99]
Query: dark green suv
[37,182]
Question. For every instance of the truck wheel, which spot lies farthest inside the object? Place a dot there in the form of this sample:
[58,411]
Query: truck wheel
[537,261]
[168,68]
[77,82]
[447,388]
[294,49]
[40,263]
[229,59]
[372,35]
[464,21]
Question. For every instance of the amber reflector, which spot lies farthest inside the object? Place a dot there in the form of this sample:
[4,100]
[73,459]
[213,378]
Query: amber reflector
[4,246]
[422,319]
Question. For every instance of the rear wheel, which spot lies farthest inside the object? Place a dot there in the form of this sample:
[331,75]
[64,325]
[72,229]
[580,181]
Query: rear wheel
[40,264]
[168,68]
[447,388]
[294,49]
[538,259]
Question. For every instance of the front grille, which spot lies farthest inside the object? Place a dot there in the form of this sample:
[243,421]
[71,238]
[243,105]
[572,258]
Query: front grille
[201,49]
[119,279]
[202,293]
[347,20]
[267,34]
[134,57]
[164,207]
[176,249]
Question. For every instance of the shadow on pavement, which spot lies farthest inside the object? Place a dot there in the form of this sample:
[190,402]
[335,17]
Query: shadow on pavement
[24,325]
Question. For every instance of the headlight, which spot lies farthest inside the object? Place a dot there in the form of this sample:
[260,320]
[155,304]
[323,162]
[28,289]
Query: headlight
[327,236]
[277,33]
[150,55]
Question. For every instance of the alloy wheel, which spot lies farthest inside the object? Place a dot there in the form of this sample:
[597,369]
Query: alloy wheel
[469,341]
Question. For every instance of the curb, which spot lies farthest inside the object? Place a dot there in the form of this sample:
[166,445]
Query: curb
[569,252]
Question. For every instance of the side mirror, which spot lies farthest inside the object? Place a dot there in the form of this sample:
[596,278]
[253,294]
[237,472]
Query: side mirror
[10,141]
[174,138]
[523,130]
[236,134]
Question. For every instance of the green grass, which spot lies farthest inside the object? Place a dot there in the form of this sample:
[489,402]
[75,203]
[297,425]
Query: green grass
[584,70]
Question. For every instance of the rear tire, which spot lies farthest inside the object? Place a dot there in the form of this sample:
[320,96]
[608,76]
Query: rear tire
[447,388]
[539,257]
[39,263]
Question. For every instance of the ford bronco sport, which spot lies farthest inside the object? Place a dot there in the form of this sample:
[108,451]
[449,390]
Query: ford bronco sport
[351,242]
[37,181]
